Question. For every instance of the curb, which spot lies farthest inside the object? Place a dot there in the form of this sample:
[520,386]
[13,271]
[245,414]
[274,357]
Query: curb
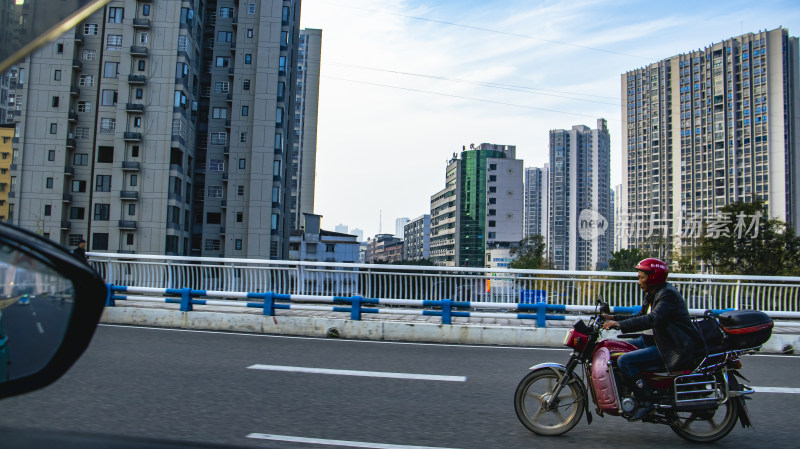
[382,330]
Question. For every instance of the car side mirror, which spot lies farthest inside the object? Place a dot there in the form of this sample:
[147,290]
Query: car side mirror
[50,304]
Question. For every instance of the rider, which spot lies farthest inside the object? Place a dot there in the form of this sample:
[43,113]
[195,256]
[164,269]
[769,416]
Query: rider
[674,344]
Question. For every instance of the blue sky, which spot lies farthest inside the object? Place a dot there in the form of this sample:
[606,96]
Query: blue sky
[405,84]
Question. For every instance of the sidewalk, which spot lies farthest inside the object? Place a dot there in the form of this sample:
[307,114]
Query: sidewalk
[372,326]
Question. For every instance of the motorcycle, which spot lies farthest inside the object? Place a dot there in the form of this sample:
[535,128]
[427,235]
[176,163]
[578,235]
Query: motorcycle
[700,405]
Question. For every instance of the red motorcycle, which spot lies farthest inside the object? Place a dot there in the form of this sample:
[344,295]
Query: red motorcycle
[700,405]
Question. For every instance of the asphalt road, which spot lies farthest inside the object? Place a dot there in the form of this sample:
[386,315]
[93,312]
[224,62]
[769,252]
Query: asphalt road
[196,386]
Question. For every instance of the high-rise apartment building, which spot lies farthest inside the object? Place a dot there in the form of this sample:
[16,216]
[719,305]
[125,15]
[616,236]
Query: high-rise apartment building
[417,238]
[161,127]
[580,203]
[480,206]
[304,148]
[707,128]
[399,226]
[6,137]
[537,200]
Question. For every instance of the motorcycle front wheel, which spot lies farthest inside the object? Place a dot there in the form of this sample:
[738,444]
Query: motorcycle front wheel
[530,403]
[706,426]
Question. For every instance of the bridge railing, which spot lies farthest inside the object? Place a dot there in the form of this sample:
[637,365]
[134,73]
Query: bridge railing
[483,285]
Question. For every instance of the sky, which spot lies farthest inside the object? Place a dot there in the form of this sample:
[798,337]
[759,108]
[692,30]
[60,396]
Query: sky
[405,84]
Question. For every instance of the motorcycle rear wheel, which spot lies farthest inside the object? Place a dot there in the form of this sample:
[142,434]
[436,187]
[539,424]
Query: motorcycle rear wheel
[707,425]
[533,392]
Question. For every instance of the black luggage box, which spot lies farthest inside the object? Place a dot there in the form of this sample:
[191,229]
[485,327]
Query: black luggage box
[745,328]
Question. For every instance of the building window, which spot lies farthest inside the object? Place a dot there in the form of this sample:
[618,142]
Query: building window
[219,138]
[80,159]
[238,244]
[114,42]
[146,10]
[143,38]
[278,140]
[240,190]
[219,113]
[115,15]
[100,241]
[251,8]
[226,13]
[48,183]
[137,122]
[102,211]
[108,125]
[248,58]
[53,128]
[217,165]
[242,163]
[212,245]
[135,151]
[55,101]
[84,106]
[88,55]
[76,213]
[129,237]
[90,29]
[57,75]
[274,222]
[245,111]
[221,87]
[103,183]
[111,70]
[243,137]
[276,194]
[276,168]
[47,210]
[131,209]
[214,192]
[239,217]
[250,33]
[109,97]
[141,65]
[139,93]
[78,186]
[59,48]
[279,115]
[224,36]
[246,84]
[223,61]
[51,155]
[282,64]
[86,81]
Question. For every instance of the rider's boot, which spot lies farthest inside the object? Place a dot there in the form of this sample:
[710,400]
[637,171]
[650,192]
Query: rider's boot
[644,398]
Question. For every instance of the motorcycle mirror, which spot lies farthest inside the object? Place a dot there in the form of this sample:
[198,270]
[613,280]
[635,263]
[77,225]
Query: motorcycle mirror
[50,304]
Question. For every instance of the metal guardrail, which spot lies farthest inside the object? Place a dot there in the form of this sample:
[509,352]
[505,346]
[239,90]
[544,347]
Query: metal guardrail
[778,294]
[269,302]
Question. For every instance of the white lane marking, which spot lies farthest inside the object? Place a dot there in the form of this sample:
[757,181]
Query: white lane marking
[39,325]
[345,372]
[776,390]
[340,340]
[291,439]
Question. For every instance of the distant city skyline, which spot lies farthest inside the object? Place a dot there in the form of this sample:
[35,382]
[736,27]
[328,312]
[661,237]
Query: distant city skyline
[444,74]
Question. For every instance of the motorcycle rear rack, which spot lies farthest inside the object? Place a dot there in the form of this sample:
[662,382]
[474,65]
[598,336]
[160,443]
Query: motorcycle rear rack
[713,362]
[698,390]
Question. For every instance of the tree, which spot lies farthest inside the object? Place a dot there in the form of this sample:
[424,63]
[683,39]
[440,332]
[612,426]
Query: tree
[742,239]
[530,254]
[625,259]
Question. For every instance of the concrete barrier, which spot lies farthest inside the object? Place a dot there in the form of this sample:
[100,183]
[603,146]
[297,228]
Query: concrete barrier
[388,330]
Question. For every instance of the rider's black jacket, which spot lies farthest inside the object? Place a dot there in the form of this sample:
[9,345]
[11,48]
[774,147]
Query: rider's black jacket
[677,339]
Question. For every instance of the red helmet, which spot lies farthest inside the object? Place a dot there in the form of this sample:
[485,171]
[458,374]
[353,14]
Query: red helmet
[656,271]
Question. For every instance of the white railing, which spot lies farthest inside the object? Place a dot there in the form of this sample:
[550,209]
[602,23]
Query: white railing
[571,288]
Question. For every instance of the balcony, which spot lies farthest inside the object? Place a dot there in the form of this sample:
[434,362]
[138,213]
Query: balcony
[74,91]
[137,50]
[226,151]
[134,107]
[225,177]
[77,64]
[141,23]
[231,71]
[222,230]
[229,98]
[233,46]
[132,136]
[73,116]
[137,79]
[78,39]
[69,171]
[66,226]
[71,144]
[224,204]
[127,224]
[130,166]
[235,21]
[129,195]
[66,198]
[228,123]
